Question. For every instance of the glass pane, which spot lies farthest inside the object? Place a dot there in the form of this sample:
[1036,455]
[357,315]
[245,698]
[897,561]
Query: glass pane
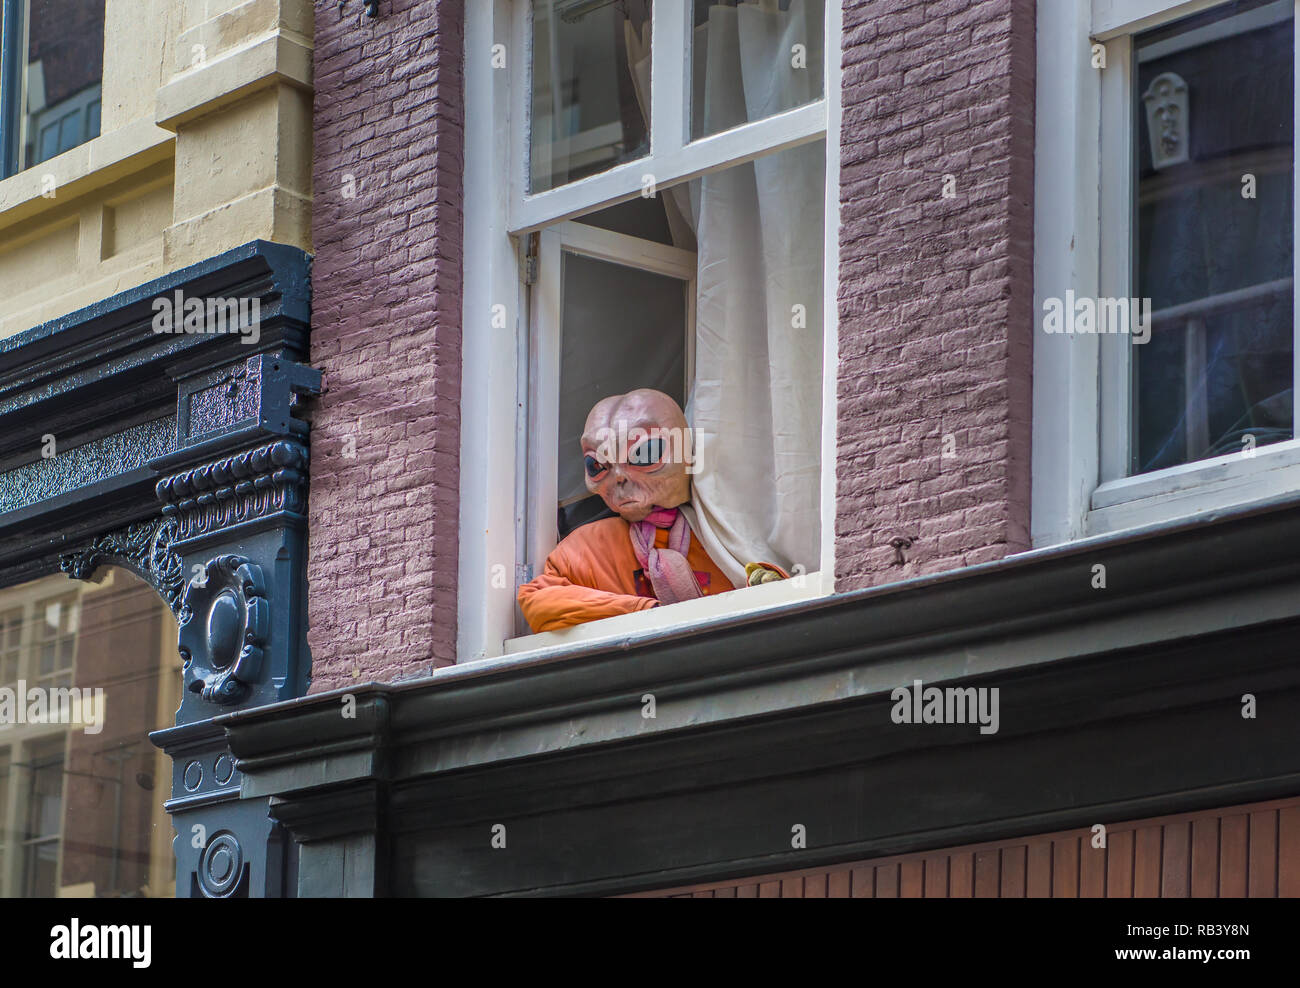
[45,792]
[623,329]
[1214,245]
[4,800]
[11,624]
[61,71]
[89,810]
[753,59]
[590,88]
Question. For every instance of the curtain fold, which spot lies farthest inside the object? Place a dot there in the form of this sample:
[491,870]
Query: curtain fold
[754,403]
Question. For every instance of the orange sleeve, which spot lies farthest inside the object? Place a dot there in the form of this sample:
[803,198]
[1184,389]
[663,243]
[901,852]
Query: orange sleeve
[551,601]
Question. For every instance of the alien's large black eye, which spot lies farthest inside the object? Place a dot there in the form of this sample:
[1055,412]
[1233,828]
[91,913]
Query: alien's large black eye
[594,467]
[647,453]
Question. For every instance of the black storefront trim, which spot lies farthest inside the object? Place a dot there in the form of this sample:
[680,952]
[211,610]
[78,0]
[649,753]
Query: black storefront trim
[1115,703]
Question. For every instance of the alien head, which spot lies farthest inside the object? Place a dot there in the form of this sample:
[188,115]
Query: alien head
[636,449]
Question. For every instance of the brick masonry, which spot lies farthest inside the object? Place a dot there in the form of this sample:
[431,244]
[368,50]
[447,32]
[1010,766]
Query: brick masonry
[386,317]
[935,294]
[935,307]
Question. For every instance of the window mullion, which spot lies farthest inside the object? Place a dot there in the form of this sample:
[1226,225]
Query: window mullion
[1295,243]
[520,119]
[801,125]
[669,93]
[1116,263]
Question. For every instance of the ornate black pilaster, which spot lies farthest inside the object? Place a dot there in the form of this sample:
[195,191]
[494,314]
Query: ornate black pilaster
[236,491]
[234,488]
[241,528]
[108,411]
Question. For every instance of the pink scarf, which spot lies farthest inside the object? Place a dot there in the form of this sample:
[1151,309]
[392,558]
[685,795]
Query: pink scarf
[669,572]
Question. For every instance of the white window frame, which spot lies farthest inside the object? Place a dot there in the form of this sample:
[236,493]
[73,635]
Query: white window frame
[500,216]
[540,532]
[1082,234]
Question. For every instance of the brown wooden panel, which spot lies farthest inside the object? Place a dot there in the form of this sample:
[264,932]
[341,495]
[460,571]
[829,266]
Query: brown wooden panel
[1234,838]
[936,877]
[838,884]
[1229,852]
[1263,855]
[1288,852]
[1013,872]
[911,883]
[961,875]
[1205,857]
[988,867]
[887,881]
[1119,864]
[1147,862]
[1176,861]
[1038,870]
[1065,868]
[1092,867]
[864,883]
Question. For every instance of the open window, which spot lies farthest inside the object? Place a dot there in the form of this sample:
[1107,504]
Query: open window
[668,175]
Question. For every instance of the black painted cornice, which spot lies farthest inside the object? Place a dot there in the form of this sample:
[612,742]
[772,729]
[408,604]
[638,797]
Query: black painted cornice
[1115,703]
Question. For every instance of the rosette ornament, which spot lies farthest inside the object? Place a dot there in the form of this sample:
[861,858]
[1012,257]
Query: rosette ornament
[224,621]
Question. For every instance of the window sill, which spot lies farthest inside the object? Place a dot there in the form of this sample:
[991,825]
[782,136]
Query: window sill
[97,163]
[1221,482]
[662,620]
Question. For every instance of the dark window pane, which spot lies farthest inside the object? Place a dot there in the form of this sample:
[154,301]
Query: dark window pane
[623,329]
[590,88]
[1214,120]
[60,75]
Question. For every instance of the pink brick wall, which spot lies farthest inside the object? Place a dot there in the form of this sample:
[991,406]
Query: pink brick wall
[386,325]
[935,294]
[935,305]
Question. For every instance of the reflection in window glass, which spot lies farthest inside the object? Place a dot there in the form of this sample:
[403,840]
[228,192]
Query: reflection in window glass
[44,814]
[5,832]
[590,96]
[1214,246]
[11,626]
[55,87]
[81,785]
[752,59]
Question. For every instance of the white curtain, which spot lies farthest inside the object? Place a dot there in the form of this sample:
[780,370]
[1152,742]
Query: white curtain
[755,400]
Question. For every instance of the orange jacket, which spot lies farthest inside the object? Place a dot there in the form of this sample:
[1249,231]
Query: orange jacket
[593,574]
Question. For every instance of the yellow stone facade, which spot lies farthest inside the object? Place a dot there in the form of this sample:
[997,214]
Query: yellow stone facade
[205,144]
